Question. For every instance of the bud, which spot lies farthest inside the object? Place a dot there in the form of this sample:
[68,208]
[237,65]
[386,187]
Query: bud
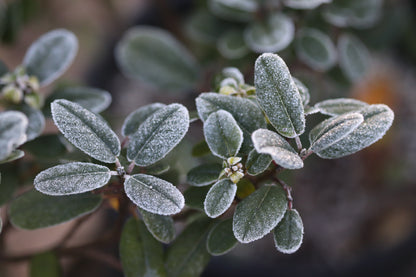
[12,94]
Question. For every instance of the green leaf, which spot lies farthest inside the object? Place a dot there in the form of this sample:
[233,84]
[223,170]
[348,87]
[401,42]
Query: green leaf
[259,213]
[136,118]
[161,227]
[272,35]
[377,120]
[195,197]
[232,72]
[242,11]
[231,44]
[221,238]
[158,168]
[16,154]
[188,255]
[158,135]
[49,56]
[86,130]
[315,49]
[36,122]
[288,234]
[34,210]
[257,163]
[200,149]
[303,91]
[304,4]
[72,178]
[219,198]
[3,66]
[332,130]
[13,126]
[153,194]
[140,253]
[244,188]
[204,175]
[45,265]
[278,95]
[340,106]
[46,147]
[9,182]
[154,56]
[269,142]
[203,27]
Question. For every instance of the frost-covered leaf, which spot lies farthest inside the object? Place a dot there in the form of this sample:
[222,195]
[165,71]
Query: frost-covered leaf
[158,168]
[195,197]
[219,197]
[330,131]
[288,234]
[234,73]
[160,226]
[272,35]
[354,57]
[231,44]
[377,120]
[340,106]
[36,122]
[188,255]
[259,213]
[155,56]
[136,118]
[13,126]
[247,114]
[257,163]
[315,49]
[86,130]
[303,91]
[140,254]
[304,4]
[72,178]
[158,135]
[16,154]
[153,194]
[269,142]
[34,210]
[45,264]
[46,147]
[243,10]
[222,134]
[204,175]
[278,95]
[203,27]
[49,56]
[221,238]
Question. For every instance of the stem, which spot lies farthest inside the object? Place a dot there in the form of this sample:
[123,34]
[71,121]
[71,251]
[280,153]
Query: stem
[298,143]
[288,191]
[130,168]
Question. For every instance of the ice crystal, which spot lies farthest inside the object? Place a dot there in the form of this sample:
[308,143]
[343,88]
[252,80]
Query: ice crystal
[136,118]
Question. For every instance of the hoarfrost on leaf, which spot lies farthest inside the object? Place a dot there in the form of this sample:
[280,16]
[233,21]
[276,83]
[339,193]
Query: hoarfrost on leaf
[304,4]
[241,11]
[340,106]
[257,163]
[136,118]
[288,234]
[219,197]
[13,125]
[36,121]
[303,91]
[160,226]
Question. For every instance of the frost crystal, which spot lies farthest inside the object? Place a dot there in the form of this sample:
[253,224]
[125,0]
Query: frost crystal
[13,126]
[288,234]
[136,118]
[340,106]
[160,226]
[219,197]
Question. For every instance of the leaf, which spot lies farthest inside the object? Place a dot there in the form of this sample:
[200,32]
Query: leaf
[288,234]
[34,210]
[203,27]
[72,178]
[10,182]
[278,96]
[269,142]
[259,213]
[86,130]
[272,35]
[244,188]
[16,154]
[3,67]
[140,253]
[221,239]
[49,56]
[200,149]
[195,197]
[219,198]
[234,73]
[161,227]
[188,255]
[315,49]
[377,120]
[153,194]
[354,57]
[13,126]
[204,175]
[36,122]
[136,118]
[304,4]
[231,44]
[242,11]
[257,163]
[303,91]
[154,56]
[340,106]
[45,264]
[46,147]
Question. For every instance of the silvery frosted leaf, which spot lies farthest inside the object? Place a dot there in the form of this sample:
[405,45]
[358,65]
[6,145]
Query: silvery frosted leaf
[221,238]
[157,169]
[288,234]
[340,106]
[203,27]
[315,49]
[72,178]
[45,264]
[34,210]
[304,4]
[233,72]
[330,131]
[278,95]
[136,118]
[13,126]
[303,91]
[311,110]
[14,155]
[86,130]
[219,197]
[153,194]
[222,134]
[49,56]
[272,35]
[377,120]
[354,57]
[204,175]
[36,121]
[140,254]
[158,135]
[243,10]
[269,142]
[257,163]
[195,197]
[231,44]
[154,56]
[259,213]
[160,226]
